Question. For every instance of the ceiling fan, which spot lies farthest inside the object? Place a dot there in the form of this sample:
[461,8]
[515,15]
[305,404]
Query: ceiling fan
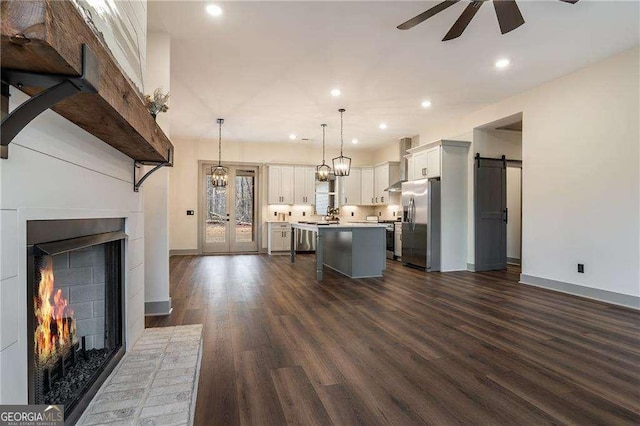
[507,11]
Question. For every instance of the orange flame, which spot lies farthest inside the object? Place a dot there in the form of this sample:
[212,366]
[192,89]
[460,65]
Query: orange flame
[55,330]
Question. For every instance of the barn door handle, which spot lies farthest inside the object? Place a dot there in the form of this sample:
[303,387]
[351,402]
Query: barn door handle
[506,215]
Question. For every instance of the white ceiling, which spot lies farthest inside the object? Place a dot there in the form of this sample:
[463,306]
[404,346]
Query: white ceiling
[268,67]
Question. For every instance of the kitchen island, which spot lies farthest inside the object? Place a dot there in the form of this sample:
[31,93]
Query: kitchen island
[357,250]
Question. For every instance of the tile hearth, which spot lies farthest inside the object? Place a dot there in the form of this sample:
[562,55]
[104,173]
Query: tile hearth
[154,384]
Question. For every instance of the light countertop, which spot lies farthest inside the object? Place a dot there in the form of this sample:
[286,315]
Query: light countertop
[315,227]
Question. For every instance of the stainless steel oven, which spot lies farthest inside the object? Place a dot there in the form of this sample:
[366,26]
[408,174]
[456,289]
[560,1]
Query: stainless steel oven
[391,240]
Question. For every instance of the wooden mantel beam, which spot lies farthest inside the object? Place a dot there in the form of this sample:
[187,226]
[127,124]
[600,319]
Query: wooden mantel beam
[47,36]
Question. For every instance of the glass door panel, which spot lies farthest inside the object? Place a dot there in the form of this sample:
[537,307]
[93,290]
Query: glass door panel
[244,211]
[216,226]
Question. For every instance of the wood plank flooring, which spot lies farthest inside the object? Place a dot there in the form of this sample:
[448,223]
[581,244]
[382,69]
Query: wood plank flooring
[409,348]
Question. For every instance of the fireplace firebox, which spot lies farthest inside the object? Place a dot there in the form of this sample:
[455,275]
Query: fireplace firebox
[75,309]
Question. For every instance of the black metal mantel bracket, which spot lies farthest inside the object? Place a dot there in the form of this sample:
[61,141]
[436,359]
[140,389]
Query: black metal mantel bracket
[137,169]
[57,88]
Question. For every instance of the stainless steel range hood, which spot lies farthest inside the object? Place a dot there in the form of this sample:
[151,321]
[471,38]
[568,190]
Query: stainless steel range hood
[404,145]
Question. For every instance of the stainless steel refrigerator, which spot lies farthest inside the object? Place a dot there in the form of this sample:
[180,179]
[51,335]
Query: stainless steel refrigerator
[421,224]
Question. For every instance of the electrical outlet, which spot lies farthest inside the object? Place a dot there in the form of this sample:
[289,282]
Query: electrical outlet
[275,214]
[304,213]
[380,214]
[581,268]
[289,213]
[190,212]
[351,213]
[394,213]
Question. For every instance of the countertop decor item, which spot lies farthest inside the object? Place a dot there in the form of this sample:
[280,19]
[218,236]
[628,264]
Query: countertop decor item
[322,171]
[342,164]
[158,103]
[219,174]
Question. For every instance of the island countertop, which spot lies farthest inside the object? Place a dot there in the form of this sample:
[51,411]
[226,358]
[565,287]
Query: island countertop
[335,226]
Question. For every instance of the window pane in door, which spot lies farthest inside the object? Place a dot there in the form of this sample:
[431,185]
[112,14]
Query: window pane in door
[244,208]
[216,214]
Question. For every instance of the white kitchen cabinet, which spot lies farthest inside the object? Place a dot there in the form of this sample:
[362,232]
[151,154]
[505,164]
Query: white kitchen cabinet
[367,197]
[304,185]
[424,163]
[385,175]
[410,166]
[352,185]
[420,165]
[433,160]
[280,185]
[279,238]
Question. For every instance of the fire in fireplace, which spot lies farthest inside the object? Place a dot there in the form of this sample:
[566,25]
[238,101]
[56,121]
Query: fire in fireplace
[76,313]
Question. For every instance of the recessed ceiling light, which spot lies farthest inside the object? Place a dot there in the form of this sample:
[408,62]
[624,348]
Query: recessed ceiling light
[292,136]
[426,104]
[354,141]
[502,63]
[214,10]
[335,92]
[383,126]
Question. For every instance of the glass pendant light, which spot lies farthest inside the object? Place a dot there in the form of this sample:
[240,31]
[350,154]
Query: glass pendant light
[219,174]
[322,171]
[342,164]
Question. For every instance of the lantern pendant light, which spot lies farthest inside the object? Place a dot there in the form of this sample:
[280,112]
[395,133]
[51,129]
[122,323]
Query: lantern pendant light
[342,164]
[219,174]
[322,171]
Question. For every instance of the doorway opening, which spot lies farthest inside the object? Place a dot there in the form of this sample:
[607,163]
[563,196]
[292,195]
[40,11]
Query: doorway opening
[497,194]
[229,215]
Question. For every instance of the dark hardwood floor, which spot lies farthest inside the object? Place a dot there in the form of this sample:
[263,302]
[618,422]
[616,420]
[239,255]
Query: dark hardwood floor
[409,348]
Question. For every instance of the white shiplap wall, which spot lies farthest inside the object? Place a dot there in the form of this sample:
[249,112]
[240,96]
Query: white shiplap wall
[56,170]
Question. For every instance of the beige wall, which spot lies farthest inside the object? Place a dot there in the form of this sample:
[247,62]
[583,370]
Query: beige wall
[581,194]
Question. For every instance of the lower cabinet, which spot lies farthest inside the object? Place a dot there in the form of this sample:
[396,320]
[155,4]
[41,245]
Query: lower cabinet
[279,238]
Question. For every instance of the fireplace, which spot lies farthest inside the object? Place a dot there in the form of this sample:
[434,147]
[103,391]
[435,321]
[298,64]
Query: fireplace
[75,309]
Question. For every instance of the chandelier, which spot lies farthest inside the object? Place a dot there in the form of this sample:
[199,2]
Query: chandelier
[322,171]
[219,174]
[342,164]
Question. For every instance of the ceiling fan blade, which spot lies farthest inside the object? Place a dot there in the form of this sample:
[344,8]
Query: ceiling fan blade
[570,1]
[461,24]
[427,14]
[508,13]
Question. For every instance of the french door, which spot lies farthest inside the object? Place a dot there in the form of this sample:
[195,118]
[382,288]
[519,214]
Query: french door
[229,213]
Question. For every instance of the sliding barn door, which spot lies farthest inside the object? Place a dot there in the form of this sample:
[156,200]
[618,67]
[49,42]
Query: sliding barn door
[490,214]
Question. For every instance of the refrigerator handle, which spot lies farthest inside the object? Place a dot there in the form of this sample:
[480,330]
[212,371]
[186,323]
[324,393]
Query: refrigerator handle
[412,209]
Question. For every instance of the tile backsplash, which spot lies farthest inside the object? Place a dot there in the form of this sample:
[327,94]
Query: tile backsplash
[296,213]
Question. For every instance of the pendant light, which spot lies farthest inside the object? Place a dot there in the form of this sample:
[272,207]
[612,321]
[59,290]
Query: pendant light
[342,164]
[219,174]
[322,171]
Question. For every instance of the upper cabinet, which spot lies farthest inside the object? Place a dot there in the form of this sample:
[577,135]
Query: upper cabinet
[367,197]
[419,170]
[426,161]
[385,175]
[433,160]
[280,184]
[304,184]
[352,188]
